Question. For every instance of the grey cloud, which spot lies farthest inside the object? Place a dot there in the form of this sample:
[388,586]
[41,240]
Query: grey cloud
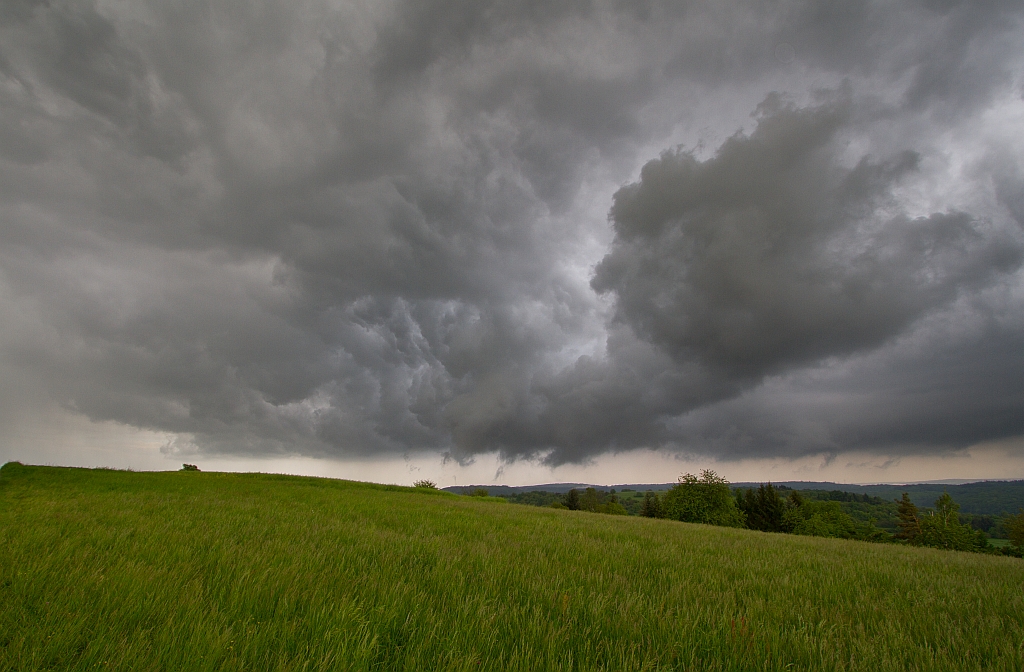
[952,382]
[768,257]
[771,254]
[966,63]
[1008,179]
[364,228]
[88,64]
[421,33]
[81,56]
[954,55]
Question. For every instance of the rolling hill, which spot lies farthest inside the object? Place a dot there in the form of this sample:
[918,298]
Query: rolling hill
[103,569]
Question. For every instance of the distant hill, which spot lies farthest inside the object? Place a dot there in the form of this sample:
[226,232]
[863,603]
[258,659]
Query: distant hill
[979,497]
[508,490]
[982,497]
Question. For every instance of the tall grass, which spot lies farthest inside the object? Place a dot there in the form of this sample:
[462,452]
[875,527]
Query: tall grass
[164,571]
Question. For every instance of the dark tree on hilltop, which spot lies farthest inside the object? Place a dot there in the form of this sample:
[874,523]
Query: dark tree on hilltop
[572,500]
[764,508]
[651,508]
[909,523]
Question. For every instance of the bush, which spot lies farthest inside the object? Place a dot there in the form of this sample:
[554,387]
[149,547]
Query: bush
[189,467]
[612,509]
[705,500]
[430,485]
[479,492]
[943,529]
[820,519]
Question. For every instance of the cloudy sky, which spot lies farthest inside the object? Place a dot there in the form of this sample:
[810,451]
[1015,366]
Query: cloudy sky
[514,241]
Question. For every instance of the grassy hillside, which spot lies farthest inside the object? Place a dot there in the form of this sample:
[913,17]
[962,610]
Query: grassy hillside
[119,570]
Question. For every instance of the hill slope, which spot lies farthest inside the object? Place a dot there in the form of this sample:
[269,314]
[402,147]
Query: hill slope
[121,570]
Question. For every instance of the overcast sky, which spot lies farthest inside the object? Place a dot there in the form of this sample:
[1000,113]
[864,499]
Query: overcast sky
[514,241]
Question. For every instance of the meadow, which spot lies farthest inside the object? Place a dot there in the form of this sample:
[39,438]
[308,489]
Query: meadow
[103,569]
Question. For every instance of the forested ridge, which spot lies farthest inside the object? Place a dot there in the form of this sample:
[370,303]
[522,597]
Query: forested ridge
[978,516]
[981,497]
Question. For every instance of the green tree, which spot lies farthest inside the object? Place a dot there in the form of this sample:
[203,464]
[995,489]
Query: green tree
[429,485]
[611,506]
[947,510]
[651,507]
[820,519]
[943,529]
[590,500]
[572,500]
[705,499]
[764,508]
[908,523]
[1014,526]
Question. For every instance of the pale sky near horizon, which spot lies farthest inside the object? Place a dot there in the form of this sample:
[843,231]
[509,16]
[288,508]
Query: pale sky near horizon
[514,241]
[76,441]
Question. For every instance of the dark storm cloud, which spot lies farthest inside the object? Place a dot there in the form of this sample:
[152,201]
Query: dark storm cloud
[347,229]
[771,254]
[941,387]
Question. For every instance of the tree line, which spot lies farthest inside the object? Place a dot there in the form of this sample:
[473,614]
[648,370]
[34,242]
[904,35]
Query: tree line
[591,499]
[708,499]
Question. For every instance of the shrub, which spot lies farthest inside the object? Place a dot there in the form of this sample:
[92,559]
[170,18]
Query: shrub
[706,499]
[612,509]
[430,485]
[943,529]
[189,467]
[820,519]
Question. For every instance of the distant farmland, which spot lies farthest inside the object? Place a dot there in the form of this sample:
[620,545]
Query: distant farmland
[117,570]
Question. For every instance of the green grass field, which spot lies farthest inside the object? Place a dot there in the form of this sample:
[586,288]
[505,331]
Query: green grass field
[105,569]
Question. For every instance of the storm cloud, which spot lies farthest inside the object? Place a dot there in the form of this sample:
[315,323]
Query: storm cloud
[546,231]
